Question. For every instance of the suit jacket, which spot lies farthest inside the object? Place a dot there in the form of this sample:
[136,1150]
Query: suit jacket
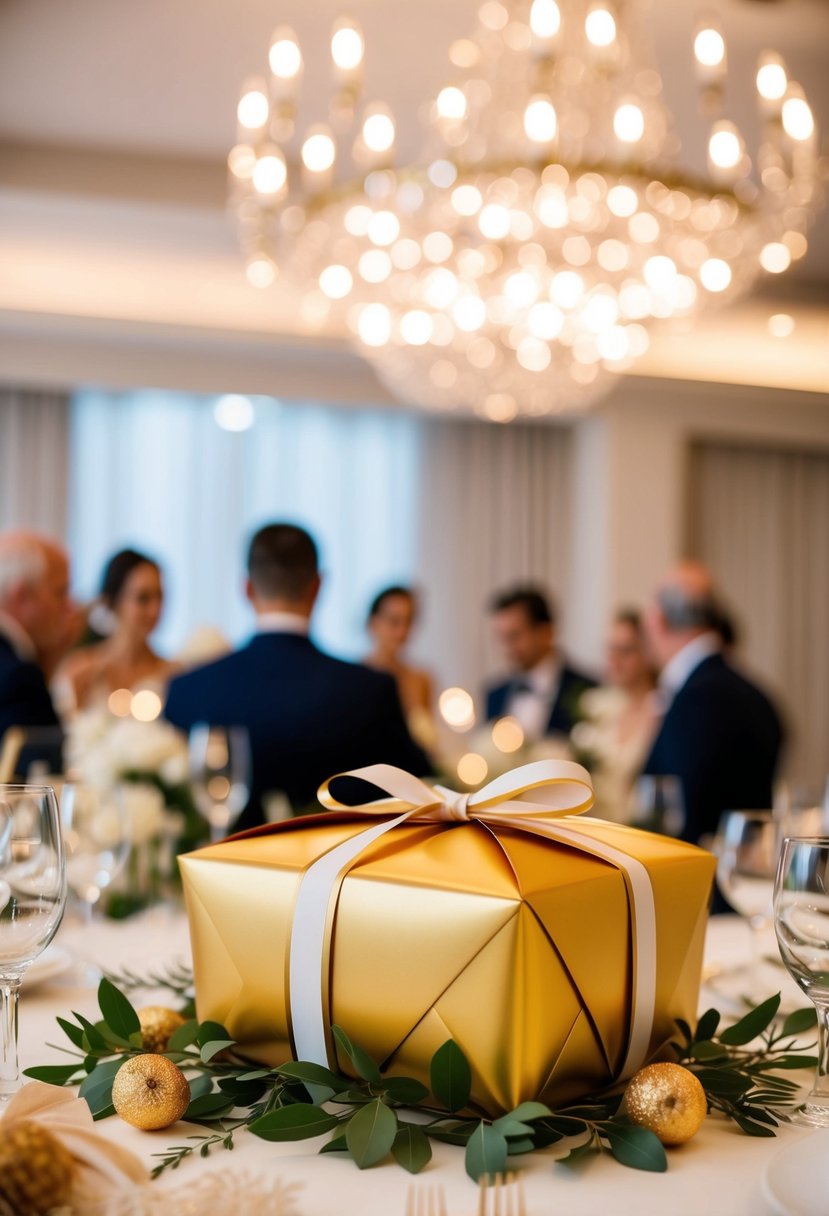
[308,715]
[721,737]
[25,701]
[563,711]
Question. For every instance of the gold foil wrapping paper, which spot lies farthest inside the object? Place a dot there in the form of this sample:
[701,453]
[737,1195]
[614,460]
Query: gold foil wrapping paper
[521,949]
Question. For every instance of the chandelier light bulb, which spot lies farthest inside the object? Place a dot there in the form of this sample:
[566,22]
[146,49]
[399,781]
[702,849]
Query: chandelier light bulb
[451,104]
[798,122]
[540,121]
[318,152]
[241,161]
[253,109]
[494,221]
[629,123]
[270,173]
[781,325]
[383,228]
[709,48]
[285,56]
[416,327]
[772,81]
[715,275]
[545,18]
[567,288]
[347,46]
[725,148]
[336,282]
[469,313]
[260,272]
[374,325]
[600,27]
[378,131]
[467,200]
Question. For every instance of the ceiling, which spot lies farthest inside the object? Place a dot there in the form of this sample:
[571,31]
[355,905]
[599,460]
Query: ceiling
[115,121]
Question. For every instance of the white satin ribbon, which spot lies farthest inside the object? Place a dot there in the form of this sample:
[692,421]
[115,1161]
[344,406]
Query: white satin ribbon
[519,799]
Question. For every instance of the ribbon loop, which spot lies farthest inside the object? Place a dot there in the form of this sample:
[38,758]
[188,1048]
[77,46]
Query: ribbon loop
[454,806]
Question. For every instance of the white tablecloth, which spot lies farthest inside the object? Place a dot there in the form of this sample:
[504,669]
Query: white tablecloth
[718,1173]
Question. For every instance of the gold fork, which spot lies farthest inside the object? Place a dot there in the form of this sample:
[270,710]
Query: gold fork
[501,1195]
[425,1201]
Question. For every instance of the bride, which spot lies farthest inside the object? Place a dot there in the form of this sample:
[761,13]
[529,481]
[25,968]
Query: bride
[132,596]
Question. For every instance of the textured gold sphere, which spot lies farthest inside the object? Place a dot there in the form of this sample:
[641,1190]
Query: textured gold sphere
[150,1092]
[157,1024]
[35,1170]
[668,1099]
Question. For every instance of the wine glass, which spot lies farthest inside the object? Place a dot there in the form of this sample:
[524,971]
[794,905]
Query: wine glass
[801,922]
[657,804]
[747,845]
[32,899]
[96,838]
[220,773]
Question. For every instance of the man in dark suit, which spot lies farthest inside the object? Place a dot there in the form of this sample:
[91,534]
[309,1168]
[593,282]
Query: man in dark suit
[543,695]
[34,611]
[308,715]
[720,736]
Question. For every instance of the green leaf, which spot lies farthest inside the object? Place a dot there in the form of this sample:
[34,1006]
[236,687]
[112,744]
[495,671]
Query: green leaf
[406,1090]
[72,1032]
[211,1049]
[527,1111]
[580,1154]
[684,1030]
[296,1122]
[509,1126]
[516,1148]
[244,1093]
[200,1085]
[486,1152]
[117,1010]
[753,1024]
[750,1127]
[789,1061]
[707,1025]
[208,1107]
[211,1032]
[637,1147]
[371,1133]
[53,1074]
[183,1036]
[565,1125]
[362,1063]
[706,1050]
[315,1074]
[798,1022]
[93,1040]
[411,1148]
[724,1082]
[450,1076]
[97,1088]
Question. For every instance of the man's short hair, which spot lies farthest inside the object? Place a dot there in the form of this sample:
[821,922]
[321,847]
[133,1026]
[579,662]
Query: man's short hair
[535,603]
[681,610]
[22,563]
[282,562]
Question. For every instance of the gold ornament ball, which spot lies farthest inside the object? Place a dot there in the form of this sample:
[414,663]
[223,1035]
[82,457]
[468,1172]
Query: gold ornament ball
[150,1092]
[157,1024]
[35,1170]
[667,1099]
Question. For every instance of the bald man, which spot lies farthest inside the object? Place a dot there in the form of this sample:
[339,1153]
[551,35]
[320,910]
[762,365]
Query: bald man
[720,735]
[34,611]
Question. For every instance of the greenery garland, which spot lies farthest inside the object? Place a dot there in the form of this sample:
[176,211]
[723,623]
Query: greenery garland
[370,1115]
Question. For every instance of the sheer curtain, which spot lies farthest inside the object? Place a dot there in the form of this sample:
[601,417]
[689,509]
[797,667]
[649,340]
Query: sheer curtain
[760,519]
[495,509]
[153,470]
[34,431]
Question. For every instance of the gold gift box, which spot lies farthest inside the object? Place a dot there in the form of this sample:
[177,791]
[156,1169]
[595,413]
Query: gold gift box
[524,950]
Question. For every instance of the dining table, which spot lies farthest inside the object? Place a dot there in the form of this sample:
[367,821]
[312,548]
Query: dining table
[720,1172]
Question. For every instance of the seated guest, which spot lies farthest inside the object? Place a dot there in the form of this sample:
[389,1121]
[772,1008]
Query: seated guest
[309,716]
[720,736]
[620,718]
[132,595]
[35,618]
[390,619]
[543,693]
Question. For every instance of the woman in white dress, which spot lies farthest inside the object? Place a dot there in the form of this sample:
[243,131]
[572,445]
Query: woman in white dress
[132,595]
[620,718]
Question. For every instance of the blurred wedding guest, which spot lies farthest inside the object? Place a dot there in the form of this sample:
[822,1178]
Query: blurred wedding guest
[132,596]
[36,623]
[620,718]
[720,736]
[309,715]
[544,691]
[391,616]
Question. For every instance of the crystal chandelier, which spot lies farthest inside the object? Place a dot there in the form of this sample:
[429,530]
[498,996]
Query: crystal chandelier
[550,222]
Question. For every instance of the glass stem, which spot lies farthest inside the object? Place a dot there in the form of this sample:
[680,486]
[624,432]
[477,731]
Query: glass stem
[9,1068]
[821,1089]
